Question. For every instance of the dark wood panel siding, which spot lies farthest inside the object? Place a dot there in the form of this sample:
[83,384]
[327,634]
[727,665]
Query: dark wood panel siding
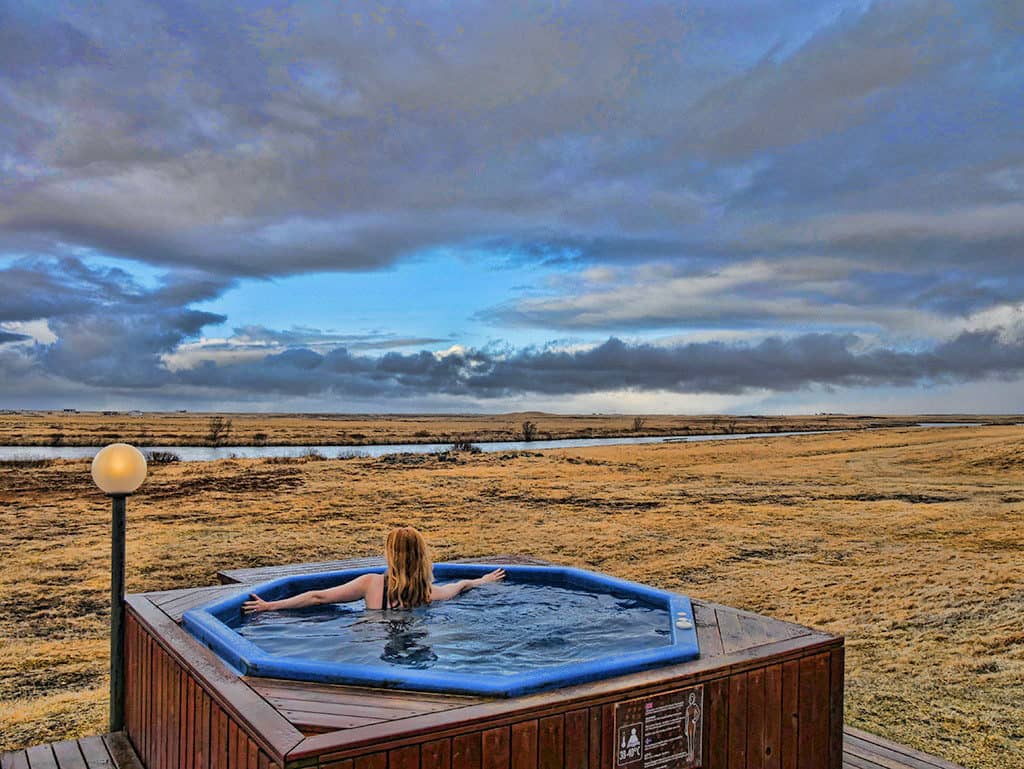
[577,745]
[172,721]
[716,724]
[523,750]
[779,716]
[466,751]
[551,742]
[755,719]
[495,753]
[772,716]
[737,721]
[437,755]
[837,677]
[813,738]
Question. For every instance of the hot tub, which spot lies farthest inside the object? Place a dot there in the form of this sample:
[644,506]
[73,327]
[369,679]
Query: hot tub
[544,628]
[761,693]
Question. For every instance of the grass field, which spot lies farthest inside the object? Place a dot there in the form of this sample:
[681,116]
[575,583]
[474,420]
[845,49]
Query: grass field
[909,542]
[56,428]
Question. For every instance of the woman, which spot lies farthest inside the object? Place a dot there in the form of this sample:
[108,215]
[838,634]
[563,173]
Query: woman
[407,583]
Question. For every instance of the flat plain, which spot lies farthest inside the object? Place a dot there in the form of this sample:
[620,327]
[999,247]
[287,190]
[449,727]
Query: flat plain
[58,428]
[910,542]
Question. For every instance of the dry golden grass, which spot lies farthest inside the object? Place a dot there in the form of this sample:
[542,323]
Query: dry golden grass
[55,428]
[909,542]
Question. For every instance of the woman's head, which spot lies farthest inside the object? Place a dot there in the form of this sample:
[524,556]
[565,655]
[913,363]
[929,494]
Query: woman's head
[410,572]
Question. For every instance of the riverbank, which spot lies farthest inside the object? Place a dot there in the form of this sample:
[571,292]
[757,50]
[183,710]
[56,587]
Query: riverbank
[909,542]
[164,454]
[59,428]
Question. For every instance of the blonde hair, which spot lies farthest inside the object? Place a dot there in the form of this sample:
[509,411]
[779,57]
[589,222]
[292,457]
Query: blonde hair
[410,571]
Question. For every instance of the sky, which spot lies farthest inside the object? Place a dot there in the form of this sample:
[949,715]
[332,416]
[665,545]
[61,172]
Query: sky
[651,207]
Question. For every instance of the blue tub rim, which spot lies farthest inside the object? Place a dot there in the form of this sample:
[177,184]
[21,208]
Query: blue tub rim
[207,624]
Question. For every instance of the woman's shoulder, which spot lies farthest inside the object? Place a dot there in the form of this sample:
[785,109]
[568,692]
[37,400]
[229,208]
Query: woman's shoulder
[369,584]
[374,586]
[367,579]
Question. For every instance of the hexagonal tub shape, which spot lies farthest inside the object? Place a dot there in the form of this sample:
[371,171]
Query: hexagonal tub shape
[553,627]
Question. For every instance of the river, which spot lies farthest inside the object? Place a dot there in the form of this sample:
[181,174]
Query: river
[208,453]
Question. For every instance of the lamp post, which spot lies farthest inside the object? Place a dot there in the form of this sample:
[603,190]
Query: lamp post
[118,469]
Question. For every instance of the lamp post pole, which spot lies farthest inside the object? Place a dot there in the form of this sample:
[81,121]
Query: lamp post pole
[118,470]
[117,526]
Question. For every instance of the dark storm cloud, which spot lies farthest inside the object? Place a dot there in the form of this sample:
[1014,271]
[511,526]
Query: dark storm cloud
[8,336]
[67,288]
[108,327]
[116,336]
[773,364]
[257,139]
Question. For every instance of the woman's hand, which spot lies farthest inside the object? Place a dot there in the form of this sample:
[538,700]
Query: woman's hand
[255,605]
[494,576]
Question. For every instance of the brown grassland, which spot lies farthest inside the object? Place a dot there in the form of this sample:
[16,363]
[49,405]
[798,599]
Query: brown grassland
[56,428]
[908,542]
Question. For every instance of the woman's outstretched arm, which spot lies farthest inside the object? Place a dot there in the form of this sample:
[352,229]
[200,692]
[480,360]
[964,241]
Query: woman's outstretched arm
[452,589]
[350,591]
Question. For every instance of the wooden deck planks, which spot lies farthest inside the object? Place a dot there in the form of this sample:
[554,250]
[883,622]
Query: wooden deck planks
[419,702]
[880,752]
[69,755]
[861,750]
[95,752]
[174,603]
[315,708]
[709,636]
[41,757]
[111,751]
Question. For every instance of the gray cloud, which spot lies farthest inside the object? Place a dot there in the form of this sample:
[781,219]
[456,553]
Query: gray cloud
[773,364]
[794,292]
[117,338]
[109,328]
[8,336]
[313,337]
[256,141]
[33,288]
[774,167]
[255,343]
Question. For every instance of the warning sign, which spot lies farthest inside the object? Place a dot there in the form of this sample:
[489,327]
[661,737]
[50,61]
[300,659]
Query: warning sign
[660,732]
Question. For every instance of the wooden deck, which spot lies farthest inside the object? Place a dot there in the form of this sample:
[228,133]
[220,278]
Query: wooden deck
[111,751]
[303,723]
[860,751]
